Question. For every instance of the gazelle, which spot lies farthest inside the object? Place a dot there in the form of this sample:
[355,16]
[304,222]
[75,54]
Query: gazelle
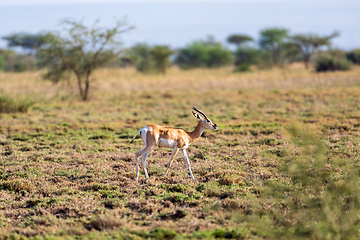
[154,135]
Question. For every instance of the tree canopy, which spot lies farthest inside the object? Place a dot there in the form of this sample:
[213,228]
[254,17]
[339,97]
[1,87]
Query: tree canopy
[27,41]
[80,50]
[274,39]
[309,43]
[239,39]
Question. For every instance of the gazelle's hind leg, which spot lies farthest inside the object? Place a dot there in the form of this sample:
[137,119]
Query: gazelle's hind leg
[136,164]
[149,141]
[144,153]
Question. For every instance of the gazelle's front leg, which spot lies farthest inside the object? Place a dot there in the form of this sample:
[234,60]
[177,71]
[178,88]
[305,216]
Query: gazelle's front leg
[183,151]
[171,158]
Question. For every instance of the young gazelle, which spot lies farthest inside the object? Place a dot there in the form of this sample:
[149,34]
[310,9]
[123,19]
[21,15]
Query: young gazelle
[176,138]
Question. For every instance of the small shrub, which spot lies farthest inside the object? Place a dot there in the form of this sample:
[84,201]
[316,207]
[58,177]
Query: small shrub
[2,63]
[20,66]
[330,63]
[10,105]
[354,56]
[243,67]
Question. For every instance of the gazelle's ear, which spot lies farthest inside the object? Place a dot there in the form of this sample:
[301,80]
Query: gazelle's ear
[197,116]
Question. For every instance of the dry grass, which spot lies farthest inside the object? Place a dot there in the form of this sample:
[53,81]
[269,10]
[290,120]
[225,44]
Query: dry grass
[113,81]
[67,166]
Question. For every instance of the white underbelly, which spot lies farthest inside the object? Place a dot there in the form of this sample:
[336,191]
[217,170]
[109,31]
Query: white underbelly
[166,143]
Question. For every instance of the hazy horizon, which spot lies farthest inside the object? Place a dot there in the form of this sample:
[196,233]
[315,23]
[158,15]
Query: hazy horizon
[178,23]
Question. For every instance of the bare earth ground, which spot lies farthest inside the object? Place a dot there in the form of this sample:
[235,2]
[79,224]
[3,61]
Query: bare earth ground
[284,162]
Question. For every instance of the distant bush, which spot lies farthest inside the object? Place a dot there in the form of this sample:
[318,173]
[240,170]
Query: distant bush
[7,57]
[161,55]
[354,56]
[10,105]
[2,63]
[245,57]
[243,67]
[140,57]
[148,59]
[204,54]
[335,52]
[331,63]
[11,61]
[20,66]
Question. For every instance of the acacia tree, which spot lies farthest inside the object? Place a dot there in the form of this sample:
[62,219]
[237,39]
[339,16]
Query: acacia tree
[308,44]
[274,40]
[27,41]
[161,56]
[239,40]
[80,50]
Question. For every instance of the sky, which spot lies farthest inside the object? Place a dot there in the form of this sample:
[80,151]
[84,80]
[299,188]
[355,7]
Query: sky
[178,23]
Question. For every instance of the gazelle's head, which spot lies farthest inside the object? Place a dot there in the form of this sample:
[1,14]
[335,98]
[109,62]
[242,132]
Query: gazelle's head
[207,123]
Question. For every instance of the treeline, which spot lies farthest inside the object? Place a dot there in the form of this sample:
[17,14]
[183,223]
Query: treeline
[80,49]
[275,46]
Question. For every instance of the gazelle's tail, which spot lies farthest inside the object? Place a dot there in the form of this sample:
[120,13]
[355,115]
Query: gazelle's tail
[135,136]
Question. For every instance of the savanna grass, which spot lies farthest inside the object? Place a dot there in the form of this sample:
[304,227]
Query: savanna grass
[283,164]
[10,105]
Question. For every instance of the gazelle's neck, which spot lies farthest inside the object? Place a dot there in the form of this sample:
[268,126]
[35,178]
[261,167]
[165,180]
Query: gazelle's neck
[196,134]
